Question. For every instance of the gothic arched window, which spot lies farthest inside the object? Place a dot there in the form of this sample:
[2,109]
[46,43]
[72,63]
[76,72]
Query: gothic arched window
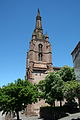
[40,52]
[40,48]
[40,56]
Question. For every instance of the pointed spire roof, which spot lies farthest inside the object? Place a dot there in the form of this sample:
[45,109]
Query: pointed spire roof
[38,12]
[38,21]
[38,17]
[38,31]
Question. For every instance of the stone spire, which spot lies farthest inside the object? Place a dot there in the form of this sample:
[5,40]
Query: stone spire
[38,31]
[38,21]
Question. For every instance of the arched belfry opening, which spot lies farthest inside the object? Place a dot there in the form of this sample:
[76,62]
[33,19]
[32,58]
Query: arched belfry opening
[40,52]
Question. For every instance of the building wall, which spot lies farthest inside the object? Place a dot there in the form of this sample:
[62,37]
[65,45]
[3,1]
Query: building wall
[76,60]
[38,76]
[77,72]
[77,66]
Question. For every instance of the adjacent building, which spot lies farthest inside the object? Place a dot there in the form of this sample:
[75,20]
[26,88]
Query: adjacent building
[76,60]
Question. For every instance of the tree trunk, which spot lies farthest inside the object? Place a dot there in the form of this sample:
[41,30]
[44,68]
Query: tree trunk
[17,113]
[54,103]
[60,103]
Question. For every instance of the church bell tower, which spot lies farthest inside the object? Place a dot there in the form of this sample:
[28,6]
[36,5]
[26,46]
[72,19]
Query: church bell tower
[39,61]
[39,56]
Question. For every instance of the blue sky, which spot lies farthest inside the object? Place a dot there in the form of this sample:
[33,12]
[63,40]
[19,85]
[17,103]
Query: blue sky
[60,19]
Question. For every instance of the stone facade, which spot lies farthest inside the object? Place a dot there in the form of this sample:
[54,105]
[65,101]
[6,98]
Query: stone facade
[39,61]
[76,60]
[39,56]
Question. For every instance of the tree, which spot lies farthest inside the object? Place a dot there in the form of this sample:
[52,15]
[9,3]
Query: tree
[69,90]
[41,89]
[16,96]
[67,73]
[77,92]
[52,88]
[72,91]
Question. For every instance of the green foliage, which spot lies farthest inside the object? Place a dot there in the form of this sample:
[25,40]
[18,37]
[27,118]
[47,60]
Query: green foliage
[72,91]
[67,73]
[51,88]
[77,90]
[69,90]
[57,83]
[41,88]
[16,96]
